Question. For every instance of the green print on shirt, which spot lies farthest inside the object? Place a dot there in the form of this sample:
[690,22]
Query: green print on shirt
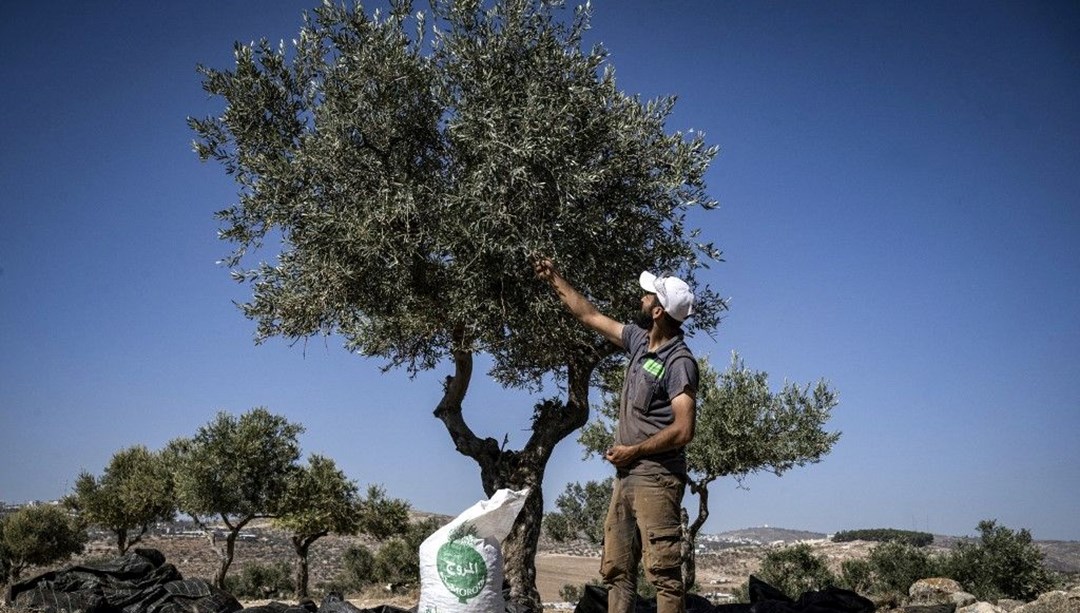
[654,367]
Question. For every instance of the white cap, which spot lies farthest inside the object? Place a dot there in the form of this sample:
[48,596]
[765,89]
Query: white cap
[674,294]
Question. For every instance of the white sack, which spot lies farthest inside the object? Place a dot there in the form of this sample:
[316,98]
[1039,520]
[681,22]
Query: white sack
[461,564]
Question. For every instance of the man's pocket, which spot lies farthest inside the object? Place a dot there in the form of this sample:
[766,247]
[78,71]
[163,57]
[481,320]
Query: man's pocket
[665,547]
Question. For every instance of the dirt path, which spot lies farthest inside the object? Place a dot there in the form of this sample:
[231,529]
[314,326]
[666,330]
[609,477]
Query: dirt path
[553,571]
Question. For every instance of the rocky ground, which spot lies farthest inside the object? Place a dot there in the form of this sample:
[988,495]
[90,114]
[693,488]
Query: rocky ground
[726,566]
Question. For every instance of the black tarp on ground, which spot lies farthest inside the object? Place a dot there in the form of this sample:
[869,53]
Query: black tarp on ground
[335,603]
[142,582]
[763,599]
[137,582]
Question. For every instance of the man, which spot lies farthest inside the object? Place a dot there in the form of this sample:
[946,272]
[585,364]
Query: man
[656,422]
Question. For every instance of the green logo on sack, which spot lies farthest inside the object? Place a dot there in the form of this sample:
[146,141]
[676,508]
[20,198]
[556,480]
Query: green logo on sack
[461,567]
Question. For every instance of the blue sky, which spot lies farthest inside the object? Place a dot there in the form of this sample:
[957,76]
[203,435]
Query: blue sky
[899,211]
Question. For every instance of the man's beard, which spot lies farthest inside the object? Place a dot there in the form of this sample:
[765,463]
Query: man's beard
[643,320]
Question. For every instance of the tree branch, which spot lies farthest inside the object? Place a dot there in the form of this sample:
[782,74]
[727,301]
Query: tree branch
[557,422]
[449,408]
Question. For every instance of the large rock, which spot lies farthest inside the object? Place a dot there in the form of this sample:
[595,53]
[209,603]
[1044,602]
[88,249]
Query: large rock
[963,599]
[981,607]
[926,588]
[1053,602]
[936,590]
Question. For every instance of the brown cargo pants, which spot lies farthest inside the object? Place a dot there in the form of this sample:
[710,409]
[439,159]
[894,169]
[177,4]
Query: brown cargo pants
[644,518]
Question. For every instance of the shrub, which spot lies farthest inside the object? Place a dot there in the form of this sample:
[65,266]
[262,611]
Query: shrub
[794,570]
[396,563]
[357,573]
[398,559]
[571,593]
[418,532]
[1001,564]
[258,580]
[897,565]
[741,594]
[857,575]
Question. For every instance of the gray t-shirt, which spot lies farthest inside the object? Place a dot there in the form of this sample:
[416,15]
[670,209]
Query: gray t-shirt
[652,380]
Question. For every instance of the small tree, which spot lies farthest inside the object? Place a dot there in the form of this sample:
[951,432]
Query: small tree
[1000,564]
[742,427]
[237,470]
[581,513]
[134,491]
[319,500]
[382,517]
[857,575]
[35,536]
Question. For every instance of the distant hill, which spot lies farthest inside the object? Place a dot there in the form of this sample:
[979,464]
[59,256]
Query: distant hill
[766,535]
[1061,556]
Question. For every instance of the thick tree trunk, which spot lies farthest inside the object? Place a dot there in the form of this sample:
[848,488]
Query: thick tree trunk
[121,540]
[226,556]
[553,421]
[226,560]
[301,546]
[126,542]
[519,548]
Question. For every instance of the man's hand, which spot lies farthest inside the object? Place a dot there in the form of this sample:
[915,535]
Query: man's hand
[621,455]
[678,434]
[579,306]
[545,269]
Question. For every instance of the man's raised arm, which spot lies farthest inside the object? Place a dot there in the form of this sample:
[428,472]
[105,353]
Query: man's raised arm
[578,305]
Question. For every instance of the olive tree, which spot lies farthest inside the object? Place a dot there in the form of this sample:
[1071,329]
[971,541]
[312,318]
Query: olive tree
[35,536]
[321,500]
[318,500]
[234,469]
[403,169]
[581,512]
[742,427]
[134,491]
[382,517]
